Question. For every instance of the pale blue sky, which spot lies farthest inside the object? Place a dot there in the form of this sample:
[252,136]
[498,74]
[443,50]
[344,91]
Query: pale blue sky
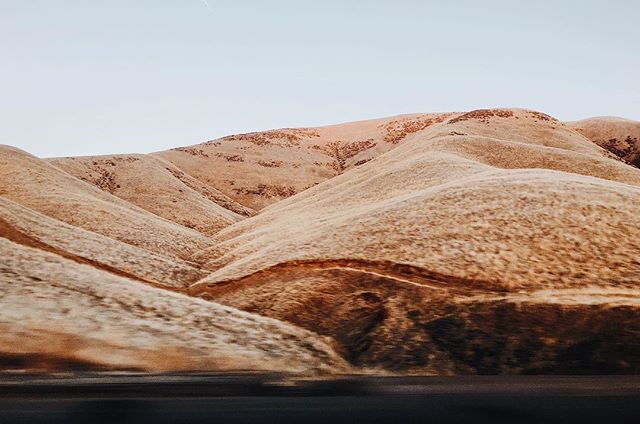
[106,76]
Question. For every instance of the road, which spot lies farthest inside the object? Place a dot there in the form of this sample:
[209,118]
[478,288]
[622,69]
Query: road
[259,398]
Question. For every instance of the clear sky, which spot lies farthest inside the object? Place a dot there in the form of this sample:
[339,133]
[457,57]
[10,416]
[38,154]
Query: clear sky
[114,76]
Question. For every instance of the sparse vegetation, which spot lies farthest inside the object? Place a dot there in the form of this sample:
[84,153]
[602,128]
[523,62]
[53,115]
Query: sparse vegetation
[192,151]
[268,190]
[482,115]
[400,129]
[542,116]
[362,162]
[285,137]
[271,163]
[230,158]
[341,151]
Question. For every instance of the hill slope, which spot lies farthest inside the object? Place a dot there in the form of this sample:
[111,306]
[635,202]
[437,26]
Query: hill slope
[261,168]
[58,314]
[32,229]
[492,241]
[497,232]
[619,136]
[158,187]
[37,185]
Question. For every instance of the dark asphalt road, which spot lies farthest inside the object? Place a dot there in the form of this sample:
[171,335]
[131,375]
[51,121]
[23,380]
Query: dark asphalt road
[274,399]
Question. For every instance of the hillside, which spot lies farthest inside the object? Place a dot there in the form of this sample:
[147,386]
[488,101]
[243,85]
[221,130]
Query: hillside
[37,185]
[29,228]
[495,233]
[261,168]
[60,315]
[157,187]
[619,136]
[495,241]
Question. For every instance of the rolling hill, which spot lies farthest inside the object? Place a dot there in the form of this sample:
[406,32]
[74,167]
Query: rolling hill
[261,168]
[58,314]
[492,241]
[40,186]
[157,187]
[420,258]
[619,136]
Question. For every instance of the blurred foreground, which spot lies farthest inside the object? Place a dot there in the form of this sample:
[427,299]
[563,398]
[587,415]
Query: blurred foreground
[275,398]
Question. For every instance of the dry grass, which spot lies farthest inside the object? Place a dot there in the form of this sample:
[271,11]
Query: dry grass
[489,244]
[157,187]
[57,309]
[619,136]
[494,241]
[294,158]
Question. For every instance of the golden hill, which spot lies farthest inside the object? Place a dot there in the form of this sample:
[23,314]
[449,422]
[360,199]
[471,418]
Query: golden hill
[40,186]
[619,136]
[59,314]
[158,187]
[29,228]
[503,215]
[493,241]
[261,168]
